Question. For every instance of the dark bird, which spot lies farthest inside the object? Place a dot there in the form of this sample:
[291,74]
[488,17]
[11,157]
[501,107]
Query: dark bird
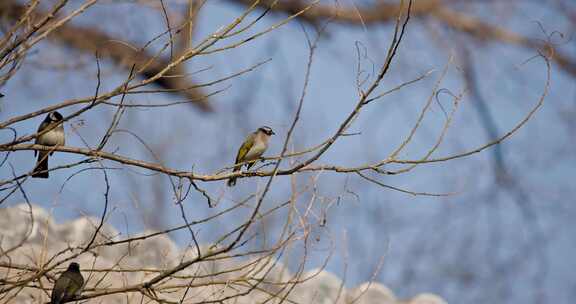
[54,137]
[252,148]
[68,286]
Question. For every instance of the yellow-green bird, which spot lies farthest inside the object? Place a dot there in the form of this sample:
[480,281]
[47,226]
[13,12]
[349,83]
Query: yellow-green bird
[252,148]
[68,286]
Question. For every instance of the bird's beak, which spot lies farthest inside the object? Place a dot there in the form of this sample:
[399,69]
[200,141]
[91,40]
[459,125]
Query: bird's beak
[273,133]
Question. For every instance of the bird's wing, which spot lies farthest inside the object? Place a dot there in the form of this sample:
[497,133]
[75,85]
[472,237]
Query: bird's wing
[42,126]
[72,289]
[78,284]
[246,146]
[60,289]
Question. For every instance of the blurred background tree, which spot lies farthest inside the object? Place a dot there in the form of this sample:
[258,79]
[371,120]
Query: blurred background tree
[487,227]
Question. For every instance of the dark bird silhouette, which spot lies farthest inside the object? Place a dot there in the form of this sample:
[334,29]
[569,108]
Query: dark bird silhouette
[68,286]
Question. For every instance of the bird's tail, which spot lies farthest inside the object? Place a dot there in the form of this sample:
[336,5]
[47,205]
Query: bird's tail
[41,169]
[232,180]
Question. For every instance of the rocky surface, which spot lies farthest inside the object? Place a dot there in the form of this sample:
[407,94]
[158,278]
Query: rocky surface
[31,238]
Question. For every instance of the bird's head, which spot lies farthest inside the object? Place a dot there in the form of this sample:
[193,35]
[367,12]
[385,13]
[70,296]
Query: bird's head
[266,130]
[55,116]
[74,267]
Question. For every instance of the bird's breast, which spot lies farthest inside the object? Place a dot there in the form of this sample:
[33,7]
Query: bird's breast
[256,151]
[52,138]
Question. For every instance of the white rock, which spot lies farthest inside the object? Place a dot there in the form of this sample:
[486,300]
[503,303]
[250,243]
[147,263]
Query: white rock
[44,238]
[427,298]
[371,293]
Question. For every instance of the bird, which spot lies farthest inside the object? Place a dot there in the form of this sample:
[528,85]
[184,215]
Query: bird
[252,148]
[68,286]
[54,137]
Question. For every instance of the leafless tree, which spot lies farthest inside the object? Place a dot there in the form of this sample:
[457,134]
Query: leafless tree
[125,72]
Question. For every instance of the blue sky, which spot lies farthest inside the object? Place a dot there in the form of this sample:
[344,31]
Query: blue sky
[442,245]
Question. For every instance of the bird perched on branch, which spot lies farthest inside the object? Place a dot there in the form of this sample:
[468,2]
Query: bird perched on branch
[54,137]
[68,286]
[252,148]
